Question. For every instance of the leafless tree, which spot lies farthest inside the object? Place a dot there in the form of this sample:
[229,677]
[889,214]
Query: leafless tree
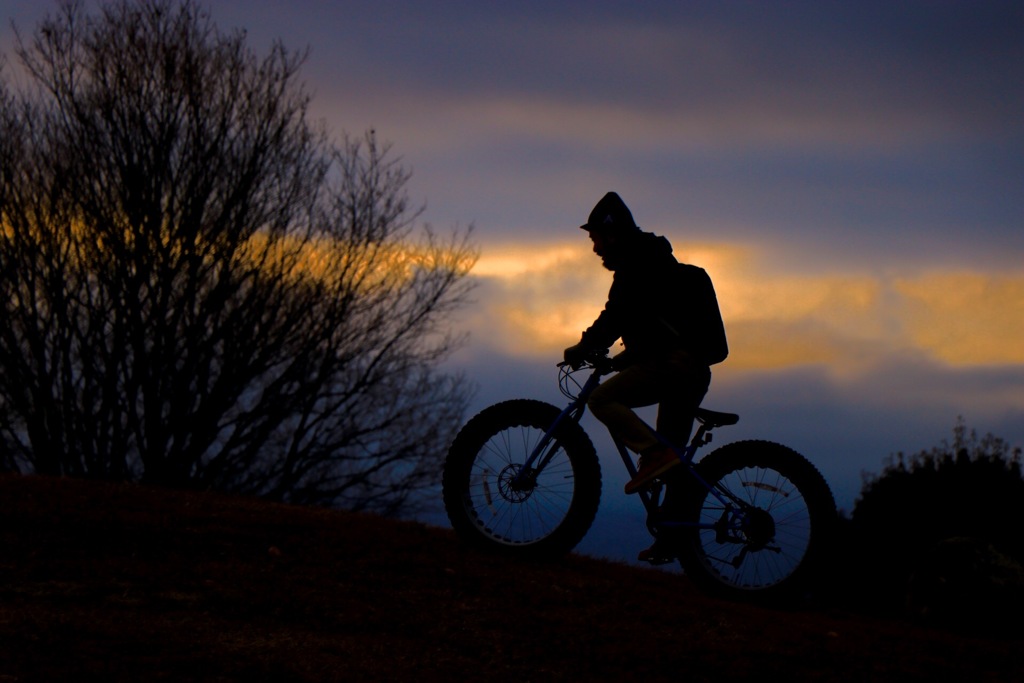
[200,287]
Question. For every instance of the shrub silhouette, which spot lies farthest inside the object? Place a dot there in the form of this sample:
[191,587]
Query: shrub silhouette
[940,531]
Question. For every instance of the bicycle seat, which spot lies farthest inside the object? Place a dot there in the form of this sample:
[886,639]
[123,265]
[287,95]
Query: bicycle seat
[713,418]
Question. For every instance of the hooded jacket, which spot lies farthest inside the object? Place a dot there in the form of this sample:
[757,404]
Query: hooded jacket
[639,301]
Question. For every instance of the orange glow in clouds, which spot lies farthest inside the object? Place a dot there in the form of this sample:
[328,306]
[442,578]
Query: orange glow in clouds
[536,300]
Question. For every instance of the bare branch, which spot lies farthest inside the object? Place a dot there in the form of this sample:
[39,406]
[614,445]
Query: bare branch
[199,287]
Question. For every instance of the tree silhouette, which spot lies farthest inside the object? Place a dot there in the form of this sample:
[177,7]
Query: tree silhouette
[201,288]
[946,519]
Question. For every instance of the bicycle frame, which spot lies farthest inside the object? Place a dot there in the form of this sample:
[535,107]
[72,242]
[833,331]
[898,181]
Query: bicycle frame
[522,478]
[542,455]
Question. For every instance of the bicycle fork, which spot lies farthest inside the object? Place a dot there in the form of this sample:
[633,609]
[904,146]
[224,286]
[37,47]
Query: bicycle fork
[526,478]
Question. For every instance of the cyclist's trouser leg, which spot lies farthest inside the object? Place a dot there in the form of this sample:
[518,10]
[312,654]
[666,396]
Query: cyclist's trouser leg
[675,381]
[675,422]
[613,401]
[676,410]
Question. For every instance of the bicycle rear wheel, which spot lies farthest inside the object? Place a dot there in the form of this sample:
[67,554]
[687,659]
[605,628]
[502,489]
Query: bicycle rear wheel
[768,539]
[545,514]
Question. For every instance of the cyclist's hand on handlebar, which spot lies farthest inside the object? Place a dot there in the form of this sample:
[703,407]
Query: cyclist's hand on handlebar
[579,355]
[575,356]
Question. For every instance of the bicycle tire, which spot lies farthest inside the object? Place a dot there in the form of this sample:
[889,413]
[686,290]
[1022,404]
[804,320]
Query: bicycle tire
[770,550]
[546,521]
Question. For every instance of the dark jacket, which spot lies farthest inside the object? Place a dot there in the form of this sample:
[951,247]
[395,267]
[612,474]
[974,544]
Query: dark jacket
[639,301]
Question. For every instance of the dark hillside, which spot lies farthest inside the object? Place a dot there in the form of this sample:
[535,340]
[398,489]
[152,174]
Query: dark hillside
[124,583]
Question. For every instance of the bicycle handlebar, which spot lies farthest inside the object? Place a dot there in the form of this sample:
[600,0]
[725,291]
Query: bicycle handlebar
[598,360]
[570,387]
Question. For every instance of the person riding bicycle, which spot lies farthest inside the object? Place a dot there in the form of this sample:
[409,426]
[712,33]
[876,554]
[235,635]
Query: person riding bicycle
[658,364]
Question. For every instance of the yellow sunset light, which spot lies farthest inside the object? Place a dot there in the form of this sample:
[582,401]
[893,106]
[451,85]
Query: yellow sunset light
[540,298]
[966,318]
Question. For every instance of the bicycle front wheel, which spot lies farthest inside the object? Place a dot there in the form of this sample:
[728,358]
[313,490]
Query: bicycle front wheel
[763,524]
[492,503]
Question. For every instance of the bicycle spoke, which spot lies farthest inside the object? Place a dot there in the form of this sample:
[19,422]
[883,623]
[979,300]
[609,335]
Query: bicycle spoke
[519,516]
[733,553]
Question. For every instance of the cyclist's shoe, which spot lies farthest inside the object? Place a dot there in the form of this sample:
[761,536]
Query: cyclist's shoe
[652,466]
[659,553]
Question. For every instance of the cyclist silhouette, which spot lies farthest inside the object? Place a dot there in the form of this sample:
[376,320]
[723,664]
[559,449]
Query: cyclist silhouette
[658,364]
[522,476]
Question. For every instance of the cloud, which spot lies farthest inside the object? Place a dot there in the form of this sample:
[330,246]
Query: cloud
[966,318]
[677,76]
[535,300]
[875,131]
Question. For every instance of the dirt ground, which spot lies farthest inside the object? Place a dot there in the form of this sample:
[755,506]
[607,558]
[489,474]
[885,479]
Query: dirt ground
[125,583]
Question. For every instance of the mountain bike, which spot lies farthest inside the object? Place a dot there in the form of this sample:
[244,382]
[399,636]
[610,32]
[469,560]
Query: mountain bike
[748,520]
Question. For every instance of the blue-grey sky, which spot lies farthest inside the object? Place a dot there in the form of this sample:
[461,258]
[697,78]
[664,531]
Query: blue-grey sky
[851,174]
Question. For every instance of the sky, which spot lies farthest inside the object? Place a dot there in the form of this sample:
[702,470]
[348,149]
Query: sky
[850,174]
